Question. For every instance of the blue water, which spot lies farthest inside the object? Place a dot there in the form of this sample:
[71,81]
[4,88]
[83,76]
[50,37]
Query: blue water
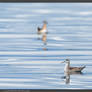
[23,62]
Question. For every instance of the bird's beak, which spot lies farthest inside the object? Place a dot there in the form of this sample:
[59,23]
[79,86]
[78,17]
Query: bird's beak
[63,62]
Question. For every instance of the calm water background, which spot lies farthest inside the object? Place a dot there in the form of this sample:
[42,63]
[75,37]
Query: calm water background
[23,62]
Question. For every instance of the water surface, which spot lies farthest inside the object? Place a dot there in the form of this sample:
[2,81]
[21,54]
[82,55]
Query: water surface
[23,62]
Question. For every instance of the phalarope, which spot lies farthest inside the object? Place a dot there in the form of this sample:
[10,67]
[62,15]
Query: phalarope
[71,69]
[43,29]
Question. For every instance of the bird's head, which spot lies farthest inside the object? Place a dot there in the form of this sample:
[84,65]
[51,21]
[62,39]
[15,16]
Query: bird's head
[45,22]
[66,61]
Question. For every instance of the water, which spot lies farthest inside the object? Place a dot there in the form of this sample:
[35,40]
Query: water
[23,62]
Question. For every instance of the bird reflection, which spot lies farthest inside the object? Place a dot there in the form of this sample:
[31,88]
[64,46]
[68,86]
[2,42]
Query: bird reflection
[67,76]
[44,49]
[44,39]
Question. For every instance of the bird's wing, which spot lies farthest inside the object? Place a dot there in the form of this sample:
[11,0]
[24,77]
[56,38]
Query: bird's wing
[77,68]
[72,68]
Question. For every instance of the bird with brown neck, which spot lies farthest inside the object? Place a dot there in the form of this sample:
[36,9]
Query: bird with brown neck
[43,29]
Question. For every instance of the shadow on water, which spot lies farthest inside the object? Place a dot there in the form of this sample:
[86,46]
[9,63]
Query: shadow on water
[67,76]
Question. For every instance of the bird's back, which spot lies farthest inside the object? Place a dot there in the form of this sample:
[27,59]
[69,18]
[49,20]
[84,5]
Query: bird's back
[77,69]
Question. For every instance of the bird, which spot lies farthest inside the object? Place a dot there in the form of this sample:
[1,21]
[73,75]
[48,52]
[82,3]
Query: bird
[68,68]
[43,29]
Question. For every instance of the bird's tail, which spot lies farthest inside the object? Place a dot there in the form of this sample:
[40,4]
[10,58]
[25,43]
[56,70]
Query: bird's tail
[83,67]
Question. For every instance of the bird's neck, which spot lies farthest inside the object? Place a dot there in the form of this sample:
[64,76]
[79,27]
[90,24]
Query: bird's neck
[66,69]
[44,26]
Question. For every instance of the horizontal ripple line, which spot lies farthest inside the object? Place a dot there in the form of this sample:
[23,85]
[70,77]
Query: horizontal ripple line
[46,53]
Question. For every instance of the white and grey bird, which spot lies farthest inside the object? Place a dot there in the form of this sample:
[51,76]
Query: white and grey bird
[68,68]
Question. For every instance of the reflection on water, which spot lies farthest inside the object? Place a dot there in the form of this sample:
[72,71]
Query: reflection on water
[23,62]
[67,76]
[44,48]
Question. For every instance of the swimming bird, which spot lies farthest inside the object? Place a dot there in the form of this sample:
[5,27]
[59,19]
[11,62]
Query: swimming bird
[43,29]
[71,69]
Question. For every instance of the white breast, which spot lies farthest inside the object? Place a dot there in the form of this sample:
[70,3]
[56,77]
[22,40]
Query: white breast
[44,31]
[66,69]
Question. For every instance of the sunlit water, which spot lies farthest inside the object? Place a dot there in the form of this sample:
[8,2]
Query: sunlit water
[23,62]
